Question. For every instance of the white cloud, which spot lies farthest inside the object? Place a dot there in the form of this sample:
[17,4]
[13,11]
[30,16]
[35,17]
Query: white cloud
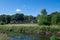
[18,10]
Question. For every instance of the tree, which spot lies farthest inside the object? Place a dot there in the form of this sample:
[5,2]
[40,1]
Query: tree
[26,18]
[18,17]
[54,38]
[31,17]
[54,18]
[49,19]
[3,18]
[58,18]
[8,19]
[38,16]
[43,18]
[43,12]
[2,23]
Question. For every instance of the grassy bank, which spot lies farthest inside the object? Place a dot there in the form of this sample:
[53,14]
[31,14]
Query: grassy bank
[20,25]
[4,37]
[45,31]
[30,28]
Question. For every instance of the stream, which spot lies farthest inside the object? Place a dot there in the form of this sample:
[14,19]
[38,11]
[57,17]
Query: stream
[25,37]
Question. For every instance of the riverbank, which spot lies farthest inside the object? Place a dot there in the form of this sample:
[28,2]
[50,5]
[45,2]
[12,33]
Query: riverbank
[4,36]
[45,32]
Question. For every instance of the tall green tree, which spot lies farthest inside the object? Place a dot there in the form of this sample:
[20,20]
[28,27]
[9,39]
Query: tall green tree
[43,12]
[43,18]
[18,16]
[3,18]
[54,18]
[31,17]
[8,19]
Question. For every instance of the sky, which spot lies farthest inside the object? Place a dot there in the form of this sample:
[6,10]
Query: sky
[28,7]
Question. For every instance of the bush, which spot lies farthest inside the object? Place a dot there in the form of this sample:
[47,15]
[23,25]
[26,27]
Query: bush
[2,23]
[54,38]
[43,20]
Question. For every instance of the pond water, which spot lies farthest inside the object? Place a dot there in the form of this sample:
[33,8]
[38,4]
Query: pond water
[25,37]
[22,36]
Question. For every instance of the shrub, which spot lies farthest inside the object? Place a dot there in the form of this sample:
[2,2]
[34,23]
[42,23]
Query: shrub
[2,23]
[54,38]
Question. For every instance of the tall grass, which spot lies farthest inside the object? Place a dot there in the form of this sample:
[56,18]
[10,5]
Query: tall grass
[4,37]
[31,28]
[16,30]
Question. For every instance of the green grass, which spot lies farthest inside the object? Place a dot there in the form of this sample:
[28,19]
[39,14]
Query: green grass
[14,29]
[20,25]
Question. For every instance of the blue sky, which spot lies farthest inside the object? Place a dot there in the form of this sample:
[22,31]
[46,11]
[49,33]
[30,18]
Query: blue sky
[28,7]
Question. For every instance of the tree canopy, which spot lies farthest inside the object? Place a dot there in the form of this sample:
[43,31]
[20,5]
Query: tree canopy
[42,19]
[51,19]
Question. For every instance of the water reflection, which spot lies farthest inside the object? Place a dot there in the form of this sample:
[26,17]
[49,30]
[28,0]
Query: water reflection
[25,38]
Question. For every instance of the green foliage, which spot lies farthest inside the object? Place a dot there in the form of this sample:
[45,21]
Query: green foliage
[31,17]
[2,23]
[55,17]
[54,38]
[43,18]
[54,20]
[8,19]
[43,12]
[18,17]
[5,19]
[16,30]
[31,28]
